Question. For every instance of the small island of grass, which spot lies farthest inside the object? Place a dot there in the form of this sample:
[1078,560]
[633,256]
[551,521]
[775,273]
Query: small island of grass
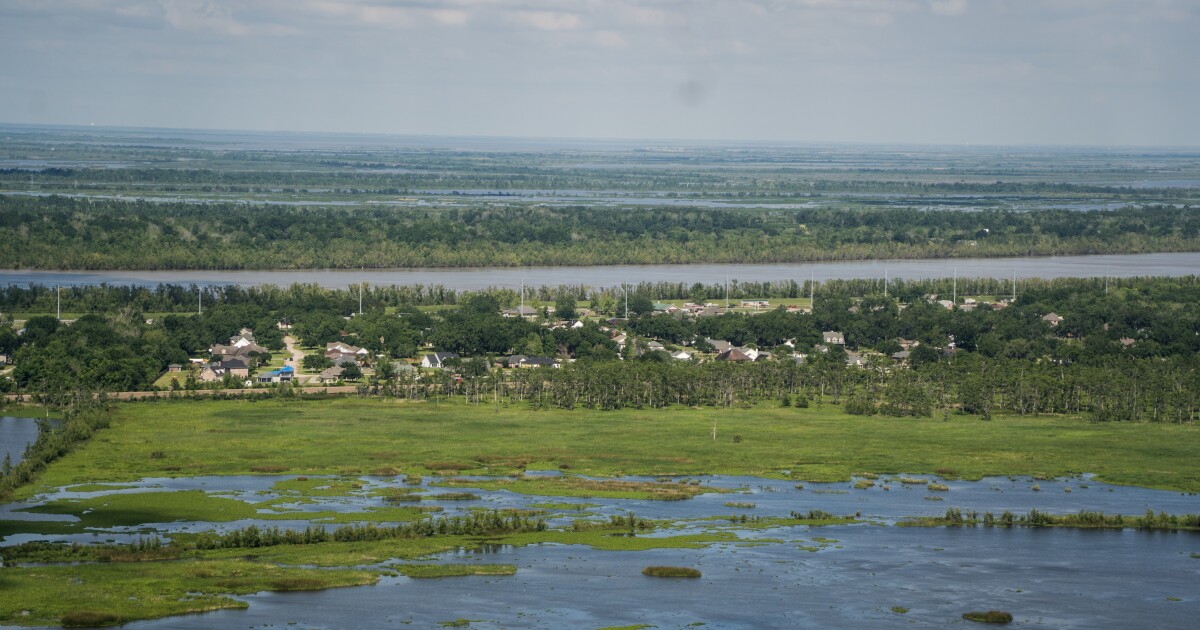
[674,572]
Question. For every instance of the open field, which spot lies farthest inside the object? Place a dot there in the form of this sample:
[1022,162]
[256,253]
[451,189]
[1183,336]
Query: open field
[356,436]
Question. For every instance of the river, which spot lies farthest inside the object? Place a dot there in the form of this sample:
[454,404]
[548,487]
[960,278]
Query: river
[1113,265]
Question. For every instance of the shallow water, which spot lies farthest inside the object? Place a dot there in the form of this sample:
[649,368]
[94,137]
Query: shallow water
[16,434]
[1053,579]
[834,576]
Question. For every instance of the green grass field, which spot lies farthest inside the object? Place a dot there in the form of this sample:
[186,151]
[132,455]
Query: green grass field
[359,436]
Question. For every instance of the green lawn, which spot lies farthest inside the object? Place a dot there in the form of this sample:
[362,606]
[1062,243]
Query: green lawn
[190,437]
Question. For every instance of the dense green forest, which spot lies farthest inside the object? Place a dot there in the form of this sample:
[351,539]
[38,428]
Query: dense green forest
[71,233]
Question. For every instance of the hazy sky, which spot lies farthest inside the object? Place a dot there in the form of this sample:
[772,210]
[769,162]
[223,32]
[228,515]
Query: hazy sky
[921,71]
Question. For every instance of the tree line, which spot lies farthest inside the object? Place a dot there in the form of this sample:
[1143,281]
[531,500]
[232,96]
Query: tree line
[59,232]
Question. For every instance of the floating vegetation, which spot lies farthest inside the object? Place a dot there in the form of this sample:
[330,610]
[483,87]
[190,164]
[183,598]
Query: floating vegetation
[938,487]
[412,479]
[831,492]
[933,498]
[1036,488]
[740,505]
[899,610]
[799,486]
[991,616]
[913,481]
[863,484]
[674,572]
[868,475]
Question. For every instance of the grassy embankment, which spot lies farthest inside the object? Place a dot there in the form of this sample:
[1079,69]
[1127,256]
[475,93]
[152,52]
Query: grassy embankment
[368,436]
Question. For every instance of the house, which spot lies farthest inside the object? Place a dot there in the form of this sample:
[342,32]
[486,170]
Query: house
[236,367]
[681,356]
[830,337]
[753,353]
[663,307]
[339,358]
[282,375]
[210,374]
[756,304]
[901,356]
[537,362]
[330,375]
[1052,318]
[3,359]
[174,367]
[437,360]
[907,344]
[946,304]
[709,311]
[718,345]
[655,346]
[854,359]
[344,348]
[520,311]
[1126,342]
[735,355]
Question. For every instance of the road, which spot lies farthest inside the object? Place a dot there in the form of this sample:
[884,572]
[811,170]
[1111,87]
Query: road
[339,389]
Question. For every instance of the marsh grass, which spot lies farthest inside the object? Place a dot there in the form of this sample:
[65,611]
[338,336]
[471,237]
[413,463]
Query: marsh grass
[327,436]
[938,487]
[863,484]
[579,487]
[991,616]
[453,496]
[740,505]
[453,570]
[671,572]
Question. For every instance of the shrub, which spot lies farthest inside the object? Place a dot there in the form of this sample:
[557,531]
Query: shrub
[683,572]
[88,619]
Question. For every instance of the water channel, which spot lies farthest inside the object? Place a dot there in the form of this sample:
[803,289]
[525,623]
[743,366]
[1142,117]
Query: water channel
[1113,265]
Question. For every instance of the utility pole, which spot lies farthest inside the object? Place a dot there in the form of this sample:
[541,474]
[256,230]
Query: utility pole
[954,295]
[199,300]
[812,283]
[1014,287]
[625,286]
[885,281]
[360,292]
[521,310]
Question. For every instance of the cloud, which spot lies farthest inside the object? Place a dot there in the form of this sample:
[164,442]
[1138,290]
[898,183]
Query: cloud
[948,7]
[610,39]
[548,20]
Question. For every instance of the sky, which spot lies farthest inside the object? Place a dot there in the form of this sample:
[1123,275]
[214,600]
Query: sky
[1006,72]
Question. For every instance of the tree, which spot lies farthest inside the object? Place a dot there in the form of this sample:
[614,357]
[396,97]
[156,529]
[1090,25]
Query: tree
[564,306]
[316,362]
[351,371]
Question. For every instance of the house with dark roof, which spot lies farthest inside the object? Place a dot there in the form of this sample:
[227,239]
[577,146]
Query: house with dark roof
[437,360]
[735,355]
